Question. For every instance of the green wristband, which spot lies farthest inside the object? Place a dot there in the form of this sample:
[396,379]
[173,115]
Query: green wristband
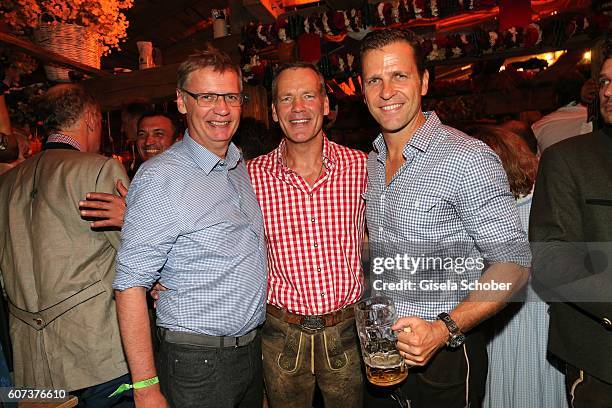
[137,385]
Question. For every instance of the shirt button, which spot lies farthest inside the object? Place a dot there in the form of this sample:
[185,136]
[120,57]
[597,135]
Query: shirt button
[312,220]
[322,294]
[318,269]
[315,245]
[382,196]
[381,229]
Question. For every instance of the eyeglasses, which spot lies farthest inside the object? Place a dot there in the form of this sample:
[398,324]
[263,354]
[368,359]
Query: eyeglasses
[210,98]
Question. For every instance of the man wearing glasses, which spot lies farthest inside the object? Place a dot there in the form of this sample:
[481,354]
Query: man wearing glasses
[194,225]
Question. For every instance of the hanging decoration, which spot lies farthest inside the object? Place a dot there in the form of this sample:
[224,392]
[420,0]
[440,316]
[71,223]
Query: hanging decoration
[485,39]
[220,19]
[354,21]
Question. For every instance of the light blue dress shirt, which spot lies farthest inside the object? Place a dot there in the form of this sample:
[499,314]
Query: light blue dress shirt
[448,208]
[193,223]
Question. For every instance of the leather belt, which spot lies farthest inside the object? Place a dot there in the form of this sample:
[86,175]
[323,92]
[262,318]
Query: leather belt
[312,323]
[197,339]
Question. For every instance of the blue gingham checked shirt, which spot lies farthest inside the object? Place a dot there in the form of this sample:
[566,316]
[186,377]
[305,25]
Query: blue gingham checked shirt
[194,223]
[450,199]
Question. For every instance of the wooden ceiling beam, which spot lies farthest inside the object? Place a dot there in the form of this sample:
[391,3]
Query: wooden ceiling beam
[155,84]
[47,56]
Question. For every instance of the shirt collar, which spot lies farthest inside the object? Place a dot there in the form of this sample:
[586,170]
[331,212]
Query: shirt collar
[206,159]
[62,138]
[421,139]
[328,155]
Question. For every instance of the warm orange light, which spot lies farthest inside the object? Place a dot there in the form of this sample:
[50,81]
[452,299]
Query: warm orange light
[549,57]
[347,87]
[297,3]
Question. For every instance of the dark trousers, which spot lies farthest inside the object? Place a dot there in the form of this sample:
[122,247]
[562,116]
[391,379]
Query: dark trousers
[199,376]
[452,379]
[97,396]
[295,361]
[586,391]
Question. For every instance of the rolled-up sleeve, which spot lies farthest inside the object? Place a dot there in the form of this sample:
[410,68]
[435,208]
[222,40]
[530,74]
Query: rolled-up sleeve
[149,231]
[488,210]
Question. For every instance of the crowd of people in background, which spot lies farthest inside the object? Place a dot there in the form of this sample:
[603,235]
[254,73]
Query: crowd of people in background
[251,240]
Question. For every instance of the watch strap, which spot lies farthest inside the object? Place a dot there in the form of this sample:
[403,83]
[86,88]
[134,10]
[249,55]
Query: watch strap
[452,327]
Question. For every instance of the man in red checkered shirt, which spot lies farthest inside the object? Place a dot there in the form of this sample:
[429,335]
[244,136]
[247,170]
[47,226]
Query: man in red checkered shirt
[309,189]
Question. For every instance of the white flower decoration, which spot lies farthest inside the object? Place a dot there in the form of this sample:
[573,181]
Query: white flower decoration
[326,28]
[381,16]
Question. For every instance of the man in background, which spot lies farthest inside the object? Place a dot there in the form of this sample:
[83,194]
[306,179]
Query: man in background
[571,234]
[156,133]
[130,114]
[57,271]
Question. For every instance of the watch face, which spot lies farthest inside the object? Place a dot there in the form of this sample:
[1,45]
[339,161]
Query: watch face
[457,340]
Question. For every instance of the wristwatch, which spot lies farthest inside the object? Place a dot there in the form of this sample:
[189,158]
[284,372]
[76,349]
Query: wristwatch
[455,337]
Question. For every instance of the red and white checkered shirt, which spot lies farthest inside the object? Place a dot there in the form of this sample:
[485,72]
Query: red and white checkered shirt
[314,233]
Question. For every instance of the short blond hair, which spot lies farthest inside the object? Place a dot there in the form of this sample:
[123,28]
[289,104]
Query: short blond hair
[211,57]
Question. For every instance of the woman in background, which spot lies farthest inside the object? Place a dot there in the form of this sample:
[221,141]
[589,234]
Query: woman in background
[521,374]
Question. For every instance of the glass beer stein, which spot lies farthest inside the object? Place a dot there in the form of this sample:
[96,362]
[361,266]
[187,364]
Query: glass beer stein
[384,364]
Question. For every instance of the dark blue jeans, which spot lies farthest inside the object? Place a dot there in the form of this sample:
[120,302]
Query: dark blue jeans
[97,395]
[198,376]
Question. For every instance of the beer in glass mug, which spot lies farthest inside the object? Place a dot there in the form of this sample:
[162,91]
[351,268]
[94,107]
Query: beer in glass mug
[384,364]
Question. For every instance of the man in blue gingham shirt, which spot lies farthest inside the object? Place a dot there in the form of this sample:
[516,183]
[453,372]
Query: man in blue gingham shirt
[451,201]
[438,209]
[193,224]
